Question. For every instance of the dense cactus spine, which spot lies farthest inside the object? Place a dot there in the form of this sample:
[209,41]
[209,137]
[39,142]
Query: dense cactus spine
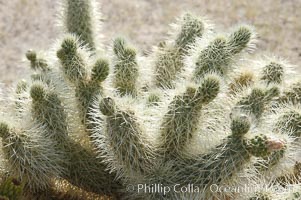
[169,61]
[124,133]
[239,39]
[273,73]
[98,124]
[217,56]
[212,58]
[245,79]
[230,144]
[291,121]
[78,161]
[100,71]
[257,101]
[35,62]
[180,123]
[19,146]
[292,94]
[191,29]
[75,68]
[125,68]
[229,157]
[73,63]
[79,19]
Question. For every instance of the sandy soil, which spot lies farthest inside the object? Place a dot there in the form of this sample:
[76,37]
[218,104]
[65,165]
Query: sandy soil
[26,24]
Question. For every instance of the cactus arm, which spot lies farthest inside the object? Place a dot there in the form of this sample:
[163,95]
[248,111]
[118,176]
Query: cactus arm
[228,158]
[180,123]
[78,20]
[87,87]
[217,56]
[125,68]
[30,157]
[81,164]
[169,61]
[130,149]
[291,94]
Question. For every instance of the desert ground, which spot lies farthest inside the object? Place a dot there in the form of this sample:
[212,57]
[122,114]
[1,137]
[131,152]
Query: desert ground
[31,24]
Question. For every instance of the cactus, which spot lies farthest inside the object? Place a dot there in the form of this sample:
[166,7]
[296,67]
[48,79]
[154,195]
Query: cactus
[89,124]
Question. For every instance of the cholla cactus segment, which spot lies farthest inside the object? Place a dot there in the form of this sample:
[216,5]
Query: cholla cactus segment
[80,165]
[47,108]
[208,89]
[73,59]
[30,156]
[217,56]
[80,19]
[212,58]
[192,27]
[261,146]
[11,189]
[73,63]
[239,39]
[170,59]
[290,122]
[232,152]
[273,73]
[125,68]
[37,92]
[240,125]
[292,94]
[86,92]
[107,106]
[257,101]
[123,132]
[35,62]
[258,146]
[100,71]
[168,64]
[180,123]
[228,158]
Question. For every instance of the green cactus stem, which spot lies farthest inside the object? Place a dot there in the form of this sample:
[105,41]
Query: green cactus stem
[180,123]
[291,94]
[217,56]
[123,132]
[79,20]
[258,99]
[125,68]
[273,73]
[36,62]
[169,61]
[80,165]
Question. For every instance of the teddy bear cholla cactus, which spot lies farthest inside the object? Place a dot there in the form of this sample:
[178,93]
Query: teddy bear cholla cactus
[194,112]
